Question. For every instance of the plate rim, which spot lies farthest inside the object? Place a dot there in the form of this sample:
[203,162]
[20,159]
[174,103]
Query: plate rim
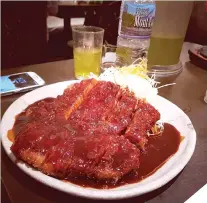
[92,193]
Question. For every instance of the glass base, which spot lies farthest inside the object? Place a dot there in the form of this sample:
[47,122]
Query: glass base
[165,71]
[106,65]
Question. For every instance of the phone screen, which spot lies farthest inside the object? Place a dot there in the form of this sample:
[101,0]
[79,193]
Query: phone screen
[13,82]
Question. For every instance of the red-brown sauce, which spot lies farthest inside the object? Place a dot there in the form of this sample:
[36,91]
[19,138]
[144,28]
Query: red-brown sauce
[159,149]
[22,119]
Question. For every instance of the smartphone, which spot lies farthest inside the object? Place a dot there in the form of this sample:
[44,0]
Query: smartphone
[20,82]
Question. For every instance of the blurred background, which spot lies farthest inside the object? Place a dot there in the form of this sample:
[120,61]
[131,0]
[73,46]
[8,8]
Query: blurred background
[40,31]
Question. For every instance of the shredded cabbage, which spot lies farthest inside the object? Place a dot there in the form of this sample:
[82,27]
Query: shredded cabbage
[134,77]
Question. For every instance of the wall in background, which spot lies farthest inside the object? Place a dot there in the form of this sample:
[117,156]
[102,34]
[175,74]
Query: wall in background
[23,33]
[197,28]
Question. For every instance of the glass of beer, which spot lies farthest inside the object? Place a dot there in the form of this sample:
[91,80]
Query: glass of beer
[87,50]
[168,33]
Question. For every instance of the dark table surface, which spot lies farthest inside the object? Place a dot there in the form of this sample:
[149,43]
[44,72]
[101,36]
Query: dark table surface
[188,94]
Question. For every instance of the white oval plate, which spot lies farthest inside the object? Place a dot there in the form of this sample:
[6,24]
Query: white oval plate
[169,113]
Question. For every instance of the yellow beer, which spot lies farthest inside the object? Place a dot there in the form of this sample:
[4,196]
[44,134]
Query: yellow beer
[87,61]
[164,51]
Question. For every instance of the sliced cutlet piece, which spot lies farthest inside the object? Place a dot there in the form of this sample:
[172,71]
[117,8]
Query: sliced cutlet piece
[71,99]
[102,156]
[101,98]
[120,158]
[59,157]
[88,151]
[40,110]
[44,109]
[32,144]
[88,85]
[76,156]
[119,117]
[71,93]
[144,119]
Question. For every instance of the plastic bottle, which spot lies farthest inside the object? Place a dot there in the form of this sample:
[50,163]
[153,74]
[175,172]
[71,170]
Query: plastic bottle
[135,27]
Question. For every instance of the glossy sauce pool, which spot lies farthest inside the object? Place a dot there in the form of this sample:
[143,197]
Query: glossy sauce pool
[159,149]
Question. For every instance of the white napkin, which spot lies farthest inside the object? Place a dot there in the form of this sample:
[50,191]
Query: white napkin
[199,197]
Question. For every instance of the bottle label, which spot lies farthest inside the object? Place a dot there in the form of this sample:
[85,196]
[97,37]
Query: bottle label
[137,20]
